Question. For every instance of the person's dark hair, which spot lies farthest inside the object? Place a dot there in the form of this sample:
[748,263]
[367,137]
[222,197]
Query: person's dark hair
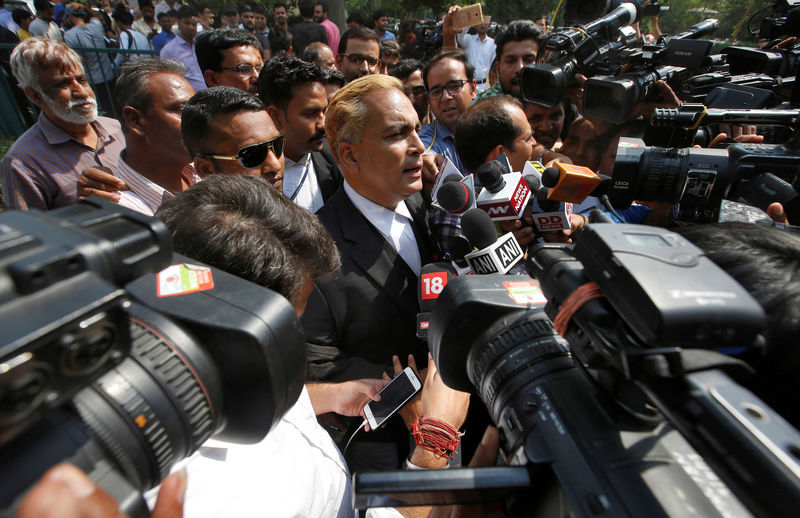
[334,77]
[483,126]
[241,224]
[312,51]
[358,33]
[405,67]
[132,87]
[42,5]
[165,13]
[390,48]
[766,262]
[518,30]
[259,9]
[210,46]
[205,105]
[20,14]
[306,8]
[281,74]
[122,15]
[324,6]
[246,8]
[355,18]
[186,11]
[201,7]
[279,4]
[458,55]
[149,3]
[377,15]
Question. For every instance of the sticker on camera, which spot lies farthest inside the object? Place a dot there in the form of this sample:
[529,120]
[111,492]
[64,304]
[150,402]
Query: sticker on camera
[525,292]
[180,279]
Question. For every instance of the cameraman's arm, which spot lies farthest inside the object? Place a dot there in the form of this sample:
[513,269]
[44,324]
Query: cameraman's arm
[448,31]
[67,492]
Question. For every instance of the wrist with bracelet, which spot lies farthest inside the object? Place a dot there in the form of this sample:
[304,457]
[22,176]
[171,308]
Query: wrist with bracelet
[436,436]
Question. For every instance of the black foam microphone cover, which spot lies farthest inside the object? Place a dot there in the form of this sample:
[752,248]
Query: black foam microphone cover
[546,204]
[550,176]
[454,197]
[477,226]
[490,175]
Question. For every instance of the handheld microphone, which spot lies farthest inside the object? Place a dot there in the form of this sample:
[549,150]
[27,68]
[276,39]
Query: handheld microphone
[550,215]
[571,183]
[493,255]
[505,194]
[432,279]
[455,197]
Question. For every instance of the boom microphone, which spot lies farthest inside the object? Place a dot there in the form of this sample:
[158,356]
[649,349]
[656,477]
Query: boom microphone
[493,255]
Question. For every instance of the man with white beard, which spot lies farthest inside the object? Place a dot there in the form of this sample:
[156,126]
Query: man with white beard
[41,169]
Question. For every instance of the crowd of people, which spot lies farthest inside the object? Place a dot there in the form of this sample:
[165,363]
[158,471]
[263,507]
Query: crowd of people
[303,159]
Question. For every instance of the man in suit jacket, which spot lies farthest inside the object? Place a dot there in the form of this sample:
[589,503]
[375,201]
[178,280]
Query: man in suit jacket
[367,313]
[294,92]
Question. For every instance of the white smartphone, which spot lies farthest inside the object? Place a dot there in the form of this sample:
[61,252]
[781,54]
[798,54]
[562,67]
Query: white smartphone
[393,397]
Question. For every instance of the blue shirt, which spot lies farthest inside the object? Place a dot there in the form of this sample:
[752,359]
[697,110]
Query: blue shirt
[183,51]
[438,139]
[161,39]
[386,36]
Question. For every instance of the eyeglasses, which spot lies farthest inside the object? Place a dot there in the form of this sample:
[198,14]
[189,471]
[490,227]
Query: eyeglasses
[254,155]
[453,87]
[357,59]
[244,69]
[416,91]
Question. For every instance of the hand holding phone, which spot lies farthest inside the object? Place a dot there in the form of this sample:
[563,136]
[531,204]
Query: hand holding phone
[393,397]
[467,17]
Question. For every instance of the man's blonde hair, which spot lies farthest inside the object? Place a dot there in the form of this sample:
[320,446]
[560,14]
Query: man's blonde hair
[347,114]
[39,52]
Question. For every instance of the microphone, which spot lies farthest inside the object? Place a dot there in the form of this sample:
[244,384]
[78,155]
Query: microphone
[455,197]
[505,194]
[571,183]
[493,255]
[550,215]
[624,14]
[432,279]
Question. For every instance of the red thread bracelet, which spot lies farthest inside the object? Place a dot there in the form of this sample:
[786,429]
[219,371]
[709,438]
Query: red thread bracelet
[436,436]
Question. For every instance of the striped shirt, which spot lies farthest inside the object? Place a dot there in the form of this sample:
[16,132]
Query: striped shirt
[41,169]
[146,196]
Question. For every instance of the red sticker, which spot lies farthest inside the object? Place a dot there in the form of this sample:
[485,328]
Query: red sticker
[525,293]
[180,279]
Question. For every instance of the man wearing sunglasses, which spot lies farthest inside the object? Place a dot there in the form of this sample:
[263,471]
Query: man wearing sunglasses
[228,131]
[449,78]
[359,53]
[296,99]
[230,57]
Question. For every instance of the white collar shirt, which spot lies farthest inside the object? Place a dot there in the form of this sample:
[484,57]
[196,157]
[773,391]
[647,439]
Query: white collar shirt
[146,196]
[394,225]
[300,183]
[480,53]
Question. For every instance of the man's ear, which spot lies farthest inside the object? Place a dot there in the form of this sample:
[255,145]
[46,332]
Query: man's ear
[339,61]
[474,88]
[495,152]
[347,157]
[204,166]
[35,96]
[134,120]
[278,117]
[211,78]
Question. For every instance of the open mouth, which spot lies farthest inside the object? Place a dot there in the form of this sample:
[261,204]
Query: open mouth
[416,169]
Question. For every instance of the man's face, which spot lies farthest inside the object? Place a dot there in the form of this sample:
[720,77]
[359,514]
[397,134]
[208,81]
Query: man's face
[46,14]
[547,123]
[260,21]
[483,28]
[26,22]
[326,59]
[161,123]
[187,27]
[389,61]
[65,95]
[302,122]
[330,90]
[523,143]
[280,16]
[207,17]
[318,14]
[414,88]
[165,23]
[386,166]
[234,63]
[516,55]
[449,107]
[231,20]
[231,132]
[382,23]
[581,144]
[359,53]
[248,21]
[148,13]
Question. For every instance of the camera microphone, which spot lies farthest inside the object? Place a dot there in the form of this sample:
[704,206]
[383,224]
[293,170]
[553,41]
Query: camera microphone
[493,255]
[432,279]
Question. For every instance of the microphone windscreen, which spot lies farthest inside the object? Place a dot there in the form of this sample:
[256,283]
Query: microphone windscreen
[550,176]
[490,174]
[477,226]
[458,247]
[546,204]
[532,181]
[454,197]
[603,187]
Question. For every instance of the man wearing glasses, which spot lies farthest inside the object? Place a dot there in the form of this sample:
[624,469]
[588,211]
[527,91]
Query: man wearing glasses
[230,57]
[449,78]
[409,71]
[359,53]
[296,99]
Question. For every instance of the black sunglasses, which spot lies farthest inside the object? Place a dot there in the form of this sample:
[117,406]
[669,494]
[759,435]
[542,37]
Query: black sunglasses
[253,156]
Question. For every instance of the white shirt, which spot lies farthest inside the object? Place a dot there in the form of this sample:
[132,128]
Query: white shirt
[146,196]
[395,226]
[295,471]
[300,183]
[479,53]
[163,6]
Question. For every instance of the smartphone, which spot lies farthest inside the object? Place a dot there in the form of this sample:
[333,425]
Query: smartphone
[393,397]
[468,16]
